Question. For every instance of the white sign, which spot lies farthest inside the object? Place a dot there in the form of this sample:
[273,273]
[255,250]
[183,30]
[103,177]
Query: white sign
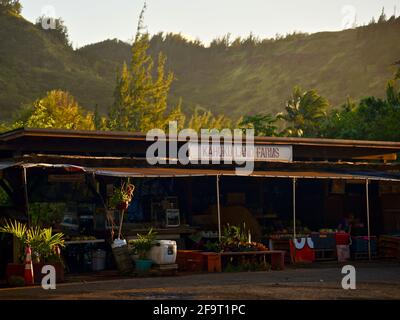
[230,152]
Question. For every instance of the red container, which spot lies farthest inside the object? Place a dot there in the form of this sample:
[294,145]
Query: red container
[14,269]
[342,238]
[190,260]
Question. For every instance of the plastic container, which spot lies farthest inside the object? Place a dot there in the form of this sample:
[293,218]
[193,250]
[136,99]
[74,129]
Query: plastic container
[163,252]
[342,238]
[323,240]
[343,252]
[143,265]
[118,243]
[360,244]
[98,260]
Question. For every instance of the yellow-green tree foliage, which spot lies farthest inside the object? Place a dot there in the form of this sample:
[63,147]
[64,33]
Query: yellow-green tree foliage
[141,93]
[57,110]
[4,127]
[12,6]
[206,120]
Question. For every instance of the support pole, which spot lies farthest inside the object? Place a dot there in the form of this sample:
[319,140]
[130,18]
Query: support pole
[218,210]
[368,225]
[25,181]
[294,208]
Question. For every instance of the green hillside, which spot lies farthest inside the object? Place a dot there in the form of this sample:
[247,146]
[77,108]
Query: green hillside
[32,62]
[246,77]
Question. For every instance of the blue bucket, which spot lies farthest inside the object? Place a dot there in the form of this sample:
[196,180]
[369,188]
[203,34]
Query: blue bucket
[143,265]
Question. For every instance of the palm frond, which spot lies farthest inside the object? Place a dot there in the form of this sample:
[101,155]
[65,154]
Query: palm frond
[15,228]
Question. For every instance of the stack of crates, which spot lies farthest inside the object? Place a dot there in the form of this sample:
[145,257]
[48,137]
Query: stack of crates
[324,246]
[359,247]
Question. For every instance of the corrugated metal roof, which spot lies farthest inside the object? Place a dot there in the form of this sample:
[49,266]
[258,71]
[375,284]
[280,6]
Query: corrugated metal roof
[189,172]
[5,165]
[157,172]
[114,135]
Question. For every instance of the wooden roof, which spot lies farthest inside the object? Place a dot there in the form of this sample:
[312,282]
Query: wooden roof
[105,143]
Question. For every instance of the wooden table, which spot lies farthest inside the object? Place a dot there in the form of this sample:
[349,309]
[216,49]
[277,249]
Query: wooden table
[277,257]
[192,260]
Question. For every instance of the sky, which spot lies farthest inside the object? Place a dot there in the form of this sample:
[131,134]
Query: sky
[91,21]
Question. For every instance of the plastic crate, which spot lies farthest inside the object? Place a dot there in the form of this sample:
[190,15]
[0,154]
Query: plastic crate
[324,240]
[360,244]
[342,239]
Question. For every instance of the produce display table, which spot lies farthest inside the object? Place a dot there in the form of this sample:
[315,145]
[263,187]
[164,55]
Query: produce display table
[197,261]
[277,257]
[389,246]
[281,245]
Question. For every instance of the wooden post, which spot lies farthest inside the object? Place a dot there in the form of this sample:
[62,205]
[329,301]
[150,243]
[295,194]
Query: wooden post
[368,212]
[25,181]
[294,208]
[218,210]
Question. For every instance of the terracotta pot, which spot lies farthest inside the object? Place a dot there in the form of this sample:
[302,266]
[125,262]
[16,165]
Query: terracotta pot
[37,271]
[123,206]
[14,270]
[18,270]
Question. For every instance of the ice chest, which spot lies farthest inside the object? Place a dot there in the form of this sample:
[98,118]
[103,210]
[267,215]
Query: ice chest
[163,252]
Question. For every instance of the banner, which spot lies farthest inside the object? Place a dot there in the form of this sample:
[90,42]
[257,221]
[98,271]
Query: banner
[232,152]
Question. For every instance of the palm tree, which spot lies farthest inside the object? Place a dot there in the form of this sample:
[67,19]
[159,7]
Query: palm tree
[263,124]
[304,113]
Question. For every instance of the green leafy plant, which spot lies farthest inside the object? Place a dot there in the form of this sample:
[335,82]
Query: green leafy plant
[44,244]
[120,200]
[234,238]
[122,196]
[143,244]
[46,214]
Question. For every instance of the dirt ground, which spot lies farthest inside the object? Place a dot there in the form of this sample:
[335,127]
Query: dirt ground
[375,280]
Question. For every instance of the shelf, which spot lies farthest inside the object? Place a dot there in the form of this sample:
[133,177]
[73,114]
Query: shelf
[85,241]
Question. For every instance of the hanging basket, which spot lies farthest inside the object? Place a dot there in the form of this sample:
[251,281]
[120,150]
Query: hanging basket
[123,206]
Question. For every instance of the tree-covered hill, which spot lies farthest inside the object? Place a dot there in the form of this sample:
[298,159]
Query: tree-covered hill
[233,77]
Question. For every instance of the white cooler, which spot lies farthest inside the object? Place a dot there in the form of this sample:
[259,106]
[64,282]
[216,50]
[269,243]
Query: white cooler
[163,252]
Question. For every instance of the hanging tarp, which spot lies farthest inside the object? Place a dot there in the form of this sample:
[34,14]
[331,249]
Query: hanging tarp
[6,165]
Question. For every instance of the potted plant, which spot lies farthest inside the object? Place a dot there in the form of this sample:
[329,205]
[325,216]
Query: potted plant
[45,248]
[141,247]
[120,200]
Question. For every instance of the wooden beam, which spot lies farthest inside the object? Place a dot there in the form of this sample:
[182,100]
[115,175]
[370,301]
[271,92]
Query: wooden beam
[384,157]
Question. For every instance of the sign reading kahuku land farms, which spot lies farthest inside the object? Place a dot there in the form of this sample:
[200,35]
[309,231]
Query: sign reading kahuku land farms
[231,152]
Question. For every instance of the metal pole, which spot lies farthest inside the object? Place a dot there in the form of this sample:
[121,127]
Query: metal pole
[25,181]
[368,225]
[294,208]
[219,211]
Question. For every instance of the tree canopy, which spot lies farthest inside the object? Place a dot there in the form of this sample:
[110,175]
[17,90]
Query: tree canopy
[141,93]
[57,110]
[263,124]
[305,111]
[370,119]
[13,6]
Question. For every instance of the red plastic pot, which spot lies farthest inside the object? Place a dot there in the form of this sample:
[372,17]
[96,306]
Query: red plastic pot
[123,206]
[18,270]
